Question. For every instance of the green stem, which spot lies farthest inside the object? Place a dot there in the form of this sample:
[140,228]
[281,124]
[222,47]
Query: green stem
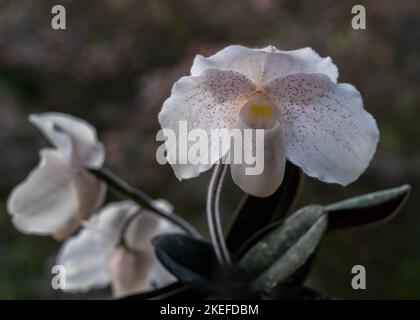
[213,216]
[124,189]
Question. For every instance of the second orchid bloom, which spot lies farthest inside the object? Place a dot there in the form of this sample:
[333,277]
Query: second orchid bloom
[60,193]
[114,247]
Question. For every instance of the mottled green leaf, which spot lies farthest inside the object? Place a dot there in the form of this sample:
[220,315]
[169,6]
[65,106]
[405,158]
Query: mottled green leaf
[367,209]
[292,259]
[290,238]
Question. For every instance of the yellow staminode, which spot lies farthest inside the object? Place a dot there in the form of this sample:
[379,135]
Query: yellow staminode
[260,111]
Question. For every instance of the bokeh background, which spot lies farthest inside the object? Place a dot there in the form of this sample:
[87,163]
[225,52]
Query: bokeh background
[114,66]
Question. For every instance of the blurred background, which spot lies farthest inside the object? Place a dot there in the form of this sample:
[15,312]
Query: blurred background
[114,66]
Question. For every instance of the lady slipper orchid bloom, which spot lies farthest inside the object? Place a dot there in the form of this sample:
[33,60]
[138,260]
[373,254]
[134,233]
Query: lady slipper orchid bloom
[60,192]
[94,257]
[307,117]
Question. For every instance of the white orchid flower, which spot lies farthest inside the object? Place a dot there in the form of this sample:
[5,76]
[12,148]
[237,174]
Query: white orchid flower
[94,259]
[60,192]
[307,117]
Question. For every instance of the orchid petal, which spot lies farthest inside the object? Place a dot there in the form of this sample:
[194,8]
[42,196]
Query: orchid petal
[47,200]
[273,159]
[210,101]
[76,138]
[135,272]
[55,197]
[85,258]
[86,255]
[264,65]
[144,228]
[328,133]
[139,269]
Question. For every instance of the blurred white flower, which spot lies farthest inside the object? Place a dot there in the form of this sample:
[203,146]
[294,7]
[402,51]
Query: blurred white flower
[94,259]
[307,117]
[60,192]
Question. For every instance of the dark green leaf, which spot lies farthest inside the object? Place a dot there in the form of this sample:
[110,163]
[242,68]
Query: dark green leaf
[292,259]
[285,249]
[257,237]
[367,209]
[300,275]
[190,260]
[254,214]
[263,254]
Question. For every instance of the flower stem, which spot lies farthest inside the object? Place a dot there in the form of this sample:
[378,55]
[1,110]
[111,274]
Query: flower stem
[124,189]
[123,242]
[213,216]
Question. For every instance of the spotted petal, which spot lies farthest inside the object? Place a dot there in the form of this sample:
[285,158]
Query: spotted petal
[328,133]
[210,101]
